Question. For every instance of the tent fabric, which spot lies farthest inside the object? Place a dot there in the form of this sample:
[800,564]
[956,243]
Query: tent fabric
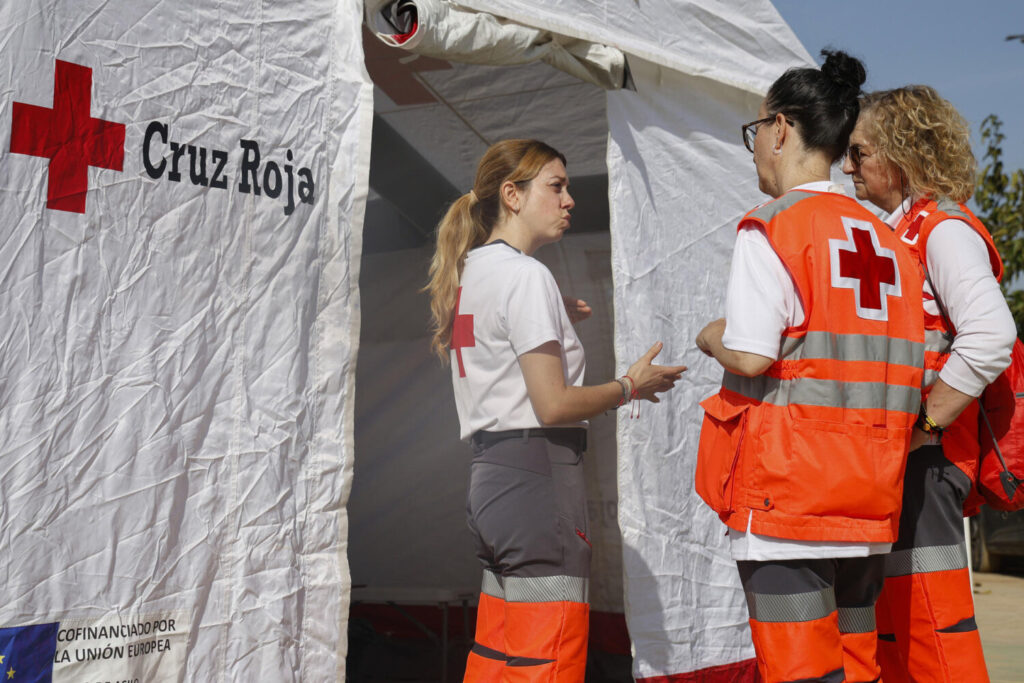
[737,44]
[448,31]
[180,337]
[671,241]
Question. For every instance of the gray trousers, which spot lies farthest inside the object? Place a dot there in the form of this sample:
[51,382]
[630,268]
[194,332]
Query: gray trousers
[527,511]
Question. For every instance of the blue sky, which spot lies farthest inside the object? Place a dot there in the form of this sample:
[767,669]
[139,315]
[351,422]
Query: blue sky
[959,48]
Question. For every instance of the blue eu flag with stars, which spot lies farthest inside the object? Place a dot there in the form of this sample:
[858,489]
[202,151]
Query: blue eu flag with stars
[26,653]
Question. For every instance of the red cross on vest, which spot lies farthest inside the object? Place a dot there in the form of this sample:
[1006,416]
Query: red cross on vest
[913,231]
[862,265]
[68,136]
[462,333]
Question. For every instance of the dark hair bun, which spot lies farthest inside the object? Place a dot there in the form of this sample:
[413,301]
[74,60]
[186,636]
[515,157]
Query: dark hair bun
[846,72]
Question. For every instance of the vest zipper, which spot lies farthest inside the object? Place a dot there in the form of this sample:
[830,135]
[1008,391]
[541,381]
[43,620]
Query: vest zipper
[736,460]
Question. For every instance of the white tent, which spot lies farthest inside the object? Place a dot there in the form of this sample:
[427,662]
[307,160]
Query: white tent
[182,411]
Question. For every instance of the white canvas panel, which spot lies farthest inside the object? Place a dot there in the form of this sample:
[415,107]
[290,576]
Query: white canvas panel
[739,44]
[179,349]
[680,179]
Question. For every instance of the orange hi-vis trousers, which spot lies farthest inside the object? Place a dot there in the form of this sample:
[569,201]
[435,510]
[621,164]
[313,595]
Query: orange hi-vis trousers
[527,511]
[814,619]
[529,641]
[926,627]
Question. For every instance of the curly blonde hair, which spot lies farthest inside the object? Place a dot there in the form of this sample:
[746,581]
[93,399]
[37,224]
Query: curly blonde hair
[925,137]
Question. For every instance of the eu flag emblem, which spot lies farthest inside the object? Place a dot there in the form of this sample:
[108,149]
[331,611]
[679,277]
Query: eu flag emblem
[26,653]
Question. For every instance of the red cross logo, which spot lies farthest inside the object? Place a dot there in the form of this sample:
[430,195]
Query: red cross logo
[462,333]
[861,264]
[68,136]
[912,231]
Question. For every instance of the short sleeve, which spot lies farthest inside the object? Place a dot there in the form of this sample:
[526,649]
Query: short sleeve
[761,300]
[533,309]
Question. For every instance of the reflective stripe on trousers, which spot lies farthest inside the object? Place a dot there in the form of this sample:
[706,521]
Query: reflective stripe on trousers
[813,619]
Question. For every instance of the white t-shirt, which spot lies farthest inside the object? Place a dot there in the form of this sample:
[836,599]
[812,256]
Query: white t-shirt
[959,267]
[761,301]
[509,304]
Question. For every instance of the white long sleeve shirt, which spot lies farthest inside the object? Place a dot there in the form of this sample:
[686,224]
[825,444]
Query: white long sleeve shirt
[958,265]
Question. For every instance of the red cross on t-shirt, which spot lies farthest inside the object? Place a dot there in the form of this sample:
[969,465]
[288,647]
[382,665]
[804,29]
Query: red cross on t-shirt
[871,270]
[68,136]
[462,333]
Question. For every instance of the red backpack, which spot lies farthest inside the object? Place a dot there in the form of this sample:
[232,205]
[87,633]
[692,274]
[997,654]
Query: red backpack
[1001,433]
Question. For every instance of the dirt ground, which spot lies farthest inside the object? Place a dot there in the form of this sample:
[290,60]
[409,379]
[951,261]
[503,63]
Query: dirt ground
[999,610]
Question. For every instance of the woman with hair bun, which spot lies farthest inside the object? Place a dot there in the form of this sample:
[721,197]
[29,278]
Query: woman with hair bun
[517,368]
[802,450]
[910,154]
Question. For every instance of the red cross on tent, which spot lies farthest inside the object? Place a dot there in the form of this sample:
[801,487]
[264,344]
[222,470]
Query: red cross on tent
[462,333]
[862,265]
[68,136]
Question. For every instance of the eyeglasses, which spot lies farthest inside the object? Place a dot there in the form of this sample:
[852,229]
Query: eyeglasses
[856,155]
[750,131]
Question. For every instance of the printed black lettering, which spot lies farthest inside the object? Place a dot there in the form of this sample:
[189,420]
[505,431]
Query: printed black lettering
[272,180]
[250,167]
[198,177]
[290,205]
[306,186]
[219,157]
[177,151]
[155,128]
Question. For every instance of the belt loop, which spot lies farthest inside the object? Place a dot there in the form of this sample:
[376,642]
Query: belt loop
[526,435]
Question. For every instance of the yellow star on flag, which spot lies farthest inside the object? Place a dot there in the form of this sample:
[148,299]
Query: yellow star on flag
[10,673]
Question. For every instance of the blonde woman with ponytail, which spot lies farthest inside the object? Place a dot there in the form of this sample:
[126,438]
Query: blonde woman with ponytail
[517,370]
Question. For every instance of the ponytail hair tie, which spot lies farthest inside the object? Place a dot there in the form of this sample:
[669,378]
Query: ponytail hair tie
[473,197]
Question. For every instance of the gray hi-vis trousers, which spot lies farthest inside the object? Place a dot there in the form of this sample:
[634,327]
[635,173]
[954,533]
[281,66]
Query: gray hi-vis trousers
[527,513]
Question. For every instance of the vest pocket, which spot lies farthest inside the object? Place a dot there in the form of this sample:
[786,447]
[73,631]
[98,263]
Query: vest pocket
[721,435]
[841,470]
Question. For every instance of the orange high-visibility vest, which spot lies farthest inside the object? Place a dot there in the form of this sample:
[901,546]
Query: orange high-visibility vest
[960,439]
[815,448]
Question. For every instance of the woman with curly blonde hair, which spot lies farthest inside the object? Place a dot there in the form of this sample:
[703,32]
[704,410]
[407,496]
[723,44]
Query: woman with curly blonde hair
[910,155]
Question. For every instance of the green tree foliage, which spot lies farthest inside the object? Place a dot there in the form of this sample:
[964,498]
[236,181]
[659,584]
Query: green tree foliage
[1000,201]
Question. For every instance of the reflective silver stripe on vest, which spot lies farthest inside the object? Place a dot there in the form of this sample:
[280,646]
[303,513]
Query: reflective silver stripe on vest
[491,585]
[947,205]
[934,558]
[547,589]
[853,347]
[766,607]
[856,619]
[938,341]
[825,393]
[774,208]
[930,377]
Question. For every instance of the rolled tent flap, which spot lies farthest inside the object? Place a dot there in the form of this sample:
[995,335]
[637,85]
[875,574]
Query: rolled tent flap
[444,30]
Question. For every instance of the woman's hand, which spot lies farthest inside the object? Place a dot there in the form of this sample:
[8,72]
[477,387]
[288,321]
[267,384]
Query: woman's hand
[577,309]
[651,379]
